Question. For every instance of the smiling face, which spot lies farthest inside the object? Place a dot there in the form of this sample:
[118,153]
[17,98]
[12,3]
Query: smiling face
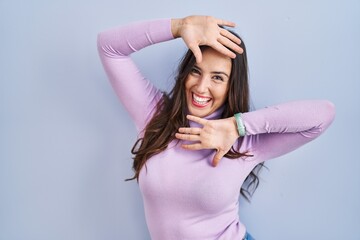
[207,84]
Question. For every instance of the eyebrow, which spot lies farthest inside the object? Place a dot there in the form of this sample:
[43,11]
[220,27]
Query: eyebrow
[214,72]
[221,73]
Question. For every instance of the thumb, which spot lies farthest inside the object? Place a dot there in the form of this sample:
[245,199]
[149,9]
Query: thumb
[219,154]
[197,52]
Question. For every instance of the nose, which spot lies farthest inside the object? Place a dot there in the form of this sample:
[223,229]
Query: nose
[202,84]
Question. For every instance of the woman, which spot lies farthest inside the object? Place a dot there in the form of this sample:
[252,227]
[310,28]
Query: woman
[186,133]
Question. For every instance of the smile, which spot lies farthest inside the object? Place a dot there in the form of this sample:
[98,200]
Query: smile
[200,101]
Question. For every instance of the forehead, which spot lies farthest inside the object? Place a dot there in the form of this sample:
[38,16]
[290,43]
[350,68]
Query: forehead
[213,61]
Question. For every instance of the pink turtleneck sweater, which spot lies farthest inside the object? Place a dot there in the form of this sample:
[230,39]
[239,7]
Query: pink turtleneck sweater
[184,196]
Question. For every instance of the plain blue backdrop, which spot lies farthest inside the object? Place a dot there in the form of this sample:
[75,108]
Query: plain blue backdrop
[65,138]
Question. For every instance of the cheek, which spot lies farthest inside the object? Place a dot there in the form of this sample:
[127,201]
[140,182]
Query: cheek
[189,83]
[221,93]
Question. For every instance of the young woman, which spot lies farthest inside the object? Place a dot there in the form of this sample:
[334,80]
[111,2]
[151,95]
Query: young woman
[199,145]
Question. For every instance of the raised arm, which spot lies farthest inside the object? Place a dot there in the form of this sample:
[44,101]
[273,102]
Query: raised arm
[270,132]
[277,130]
[137,93]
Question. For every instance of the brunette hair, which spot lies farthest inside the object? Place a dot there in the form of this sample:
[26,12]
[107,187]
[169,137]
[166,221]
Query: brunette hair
[171,113]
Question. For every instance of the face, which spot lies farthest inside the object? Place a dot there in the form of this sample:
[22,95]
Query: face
[207,84]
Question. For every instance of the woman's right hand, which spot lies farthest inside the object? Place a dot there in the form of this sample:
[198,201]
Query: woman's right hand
[204,30]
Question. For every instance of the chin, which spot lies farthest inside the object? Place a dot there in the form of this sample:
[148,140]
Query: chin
[199,112]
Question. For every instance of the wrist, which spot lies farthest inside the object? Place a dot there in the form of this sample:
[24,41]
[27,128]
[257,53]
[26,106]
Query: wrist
[240,125]
[176,24]
[234,127]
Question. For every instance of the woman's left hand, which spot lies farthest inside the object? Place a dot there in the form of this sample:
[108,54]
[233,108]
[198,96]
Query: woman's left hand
[218,134]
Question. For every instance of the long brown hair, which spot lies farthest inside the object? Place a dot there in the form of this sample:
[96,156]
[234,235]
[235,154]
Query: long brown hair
[171,113]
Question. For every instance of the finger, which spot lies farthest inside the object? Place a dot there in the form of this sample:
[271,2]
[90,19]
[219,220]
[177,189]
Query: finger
[219,154]
[230,44]
[223,50]
[195,146]
[196,119]
[230,36]
[197,52]
[223,22]
[190,130]
[188,137]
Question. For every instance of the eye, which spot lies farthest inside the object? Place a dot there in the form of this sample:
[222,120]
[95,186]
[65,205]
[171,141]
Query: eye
[218,78]
[195,71]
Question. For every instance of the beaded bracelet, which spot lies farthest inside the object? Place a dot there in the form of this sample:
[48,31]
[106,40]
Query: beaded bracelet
[240,124]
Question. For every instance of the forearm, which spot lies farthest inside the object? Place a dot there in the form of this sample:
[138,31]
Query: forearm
[290,117]
[277,130]
[124,40]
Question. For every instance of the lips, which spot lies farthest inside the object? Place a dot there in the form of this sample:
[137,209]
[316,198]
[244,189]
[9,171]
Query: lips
[200,101]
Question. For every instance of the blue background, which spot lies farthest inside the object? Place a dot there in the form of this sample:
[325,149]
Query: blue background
[65,138]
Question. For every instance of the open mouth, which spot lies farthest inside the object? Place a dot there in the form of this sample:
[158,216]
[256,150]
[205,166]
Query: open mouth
[200,101]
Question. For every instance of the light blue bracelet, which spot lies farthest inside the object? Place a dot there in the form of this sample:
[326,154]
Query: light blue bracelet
[240,125]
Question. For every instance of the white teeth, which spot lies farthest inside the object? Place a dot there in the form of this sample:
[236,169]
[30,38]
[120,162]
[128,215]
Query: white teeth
[201,100]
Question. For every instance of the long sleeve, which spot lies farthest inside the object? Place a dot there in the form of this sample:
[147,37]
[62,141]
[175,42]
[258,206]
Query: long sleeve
[138,94]
[277,130]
